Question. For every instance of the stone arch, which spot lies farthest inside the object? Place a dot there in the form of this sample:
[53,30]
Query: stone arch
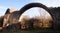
[31,5]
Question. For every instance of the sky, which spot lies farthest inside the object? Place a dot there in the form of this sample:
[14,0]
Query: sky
[18,4]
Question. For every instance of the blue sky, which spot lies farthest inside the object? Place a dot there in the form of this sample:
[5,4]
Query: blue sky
[18,4]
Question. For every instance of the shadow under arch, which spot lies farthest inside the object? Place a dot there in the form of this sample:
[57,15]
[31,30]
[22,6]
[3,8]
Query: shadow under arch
[31,5]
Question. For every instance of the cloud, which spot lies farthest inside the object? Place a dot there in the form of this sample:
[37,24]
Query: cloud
[3,7]
[2,10]
[48,3]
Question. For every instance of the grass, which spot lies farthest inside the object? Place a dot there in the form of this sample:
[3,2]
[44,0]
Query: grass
[16,29]
[32,31]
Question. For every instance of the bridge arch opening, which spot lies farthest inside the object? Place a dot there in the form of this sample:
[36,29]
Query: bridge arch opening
[39,5]
[42,7]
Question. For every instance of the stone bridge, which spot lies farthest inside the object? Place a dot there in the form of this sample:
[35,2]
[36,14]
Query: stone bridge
[13,17]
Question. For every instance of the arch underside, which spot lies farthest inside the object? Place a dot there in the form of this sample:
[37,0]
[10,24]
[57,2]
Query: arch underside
[31,5]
